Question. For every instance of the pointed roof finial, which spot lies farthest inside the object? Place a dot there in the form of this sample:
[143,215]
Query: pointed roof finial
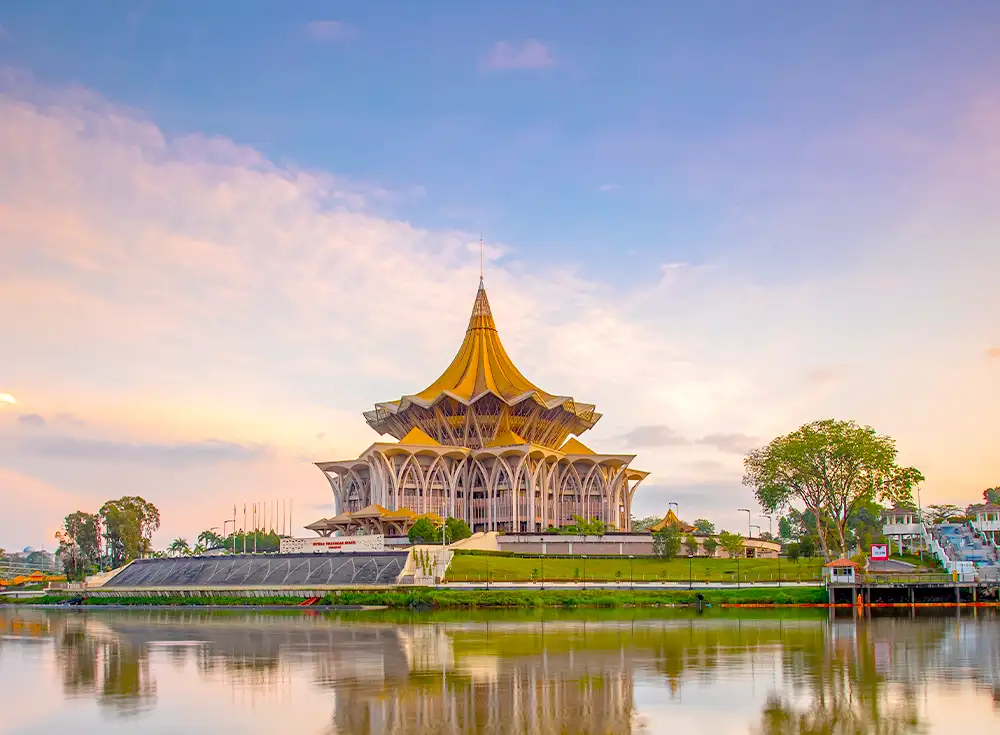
[480,260]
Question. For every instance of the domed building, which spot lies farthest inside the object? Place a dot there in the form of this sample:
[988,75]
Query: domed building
[484,444]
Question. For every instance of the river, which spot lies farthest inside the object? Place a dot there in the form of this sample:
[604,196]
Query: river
[594,671]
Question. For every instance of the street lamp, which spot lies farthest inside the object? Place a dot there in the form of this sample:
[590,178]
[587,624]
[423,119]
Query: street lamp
[585,571]
[747,511]
[631,584]
[233,521]
[690,574]
[770,528]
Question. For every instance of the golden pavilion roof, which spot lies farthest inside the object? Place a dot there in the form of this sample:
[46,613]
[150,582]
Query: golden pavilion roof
[481,368]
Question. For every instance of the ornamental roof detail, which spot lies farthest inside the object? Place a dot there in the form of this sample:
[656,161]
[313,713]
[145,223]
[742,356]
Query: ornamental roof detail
[480,370]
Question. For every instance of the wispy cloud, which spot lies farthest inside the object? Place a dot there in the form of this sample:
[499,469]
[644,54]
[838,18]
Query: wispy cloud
[32,420]
[654,436]
[608,187]
[993,352]
[103,450]
[529,54]
[330,30]
[730,443]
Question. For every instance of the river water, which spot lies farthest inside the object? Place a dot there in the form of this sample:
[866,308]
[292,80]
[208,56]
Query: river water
[614,671]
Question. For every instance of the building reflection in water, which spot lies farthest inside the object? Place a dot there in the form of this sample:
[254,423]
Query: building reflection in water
[555,674]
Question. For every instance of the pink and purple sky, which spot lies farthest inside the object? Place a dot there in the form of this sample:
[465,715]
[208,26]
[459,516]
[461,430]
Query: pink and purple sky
[224,236]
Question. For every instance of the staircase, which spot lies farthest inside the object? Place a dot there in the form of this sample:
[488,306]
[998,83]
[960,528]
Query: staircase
[965,551]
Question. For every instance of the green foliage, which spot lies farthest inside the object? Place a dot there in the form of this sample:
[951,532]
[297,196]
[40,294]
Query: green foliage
[667,542]
[807,547]
[711,544]
[79,544]
[210,540]
[179,547]
[732,543]
[583,527]
[692,545]
[793,551]
[456,529]
[944,513]
[785,528]
[992,495]
[704,527]
[128,524]
[424,532]
[641,525]
[832,467]
[266,541]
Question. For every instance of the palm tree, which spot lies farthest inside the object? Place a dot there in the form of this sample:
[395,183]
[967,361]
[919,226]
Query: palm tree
[179,547]
[210,539]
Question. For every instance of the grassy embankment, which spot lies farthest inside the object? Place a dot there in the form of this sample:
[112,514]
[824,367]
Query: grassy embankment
[420,598]
[467,567]
[507,567]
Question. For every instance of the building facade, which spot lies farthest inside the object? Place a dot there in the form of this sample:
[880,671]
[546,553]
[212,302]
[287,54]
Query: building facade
[484,444]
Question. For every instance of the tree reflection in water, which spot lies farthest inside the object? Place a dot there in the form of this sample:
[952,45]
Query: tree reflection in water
[540,673]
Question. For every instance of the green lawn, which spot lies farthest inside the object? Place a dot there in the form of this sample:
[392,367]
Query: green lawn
[473,568]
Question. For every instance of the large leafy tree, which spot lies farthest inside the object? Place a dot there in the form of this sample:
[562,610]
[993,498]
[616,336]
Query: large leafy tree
[704,527]
[128,523]
[423,532]
[831,467]
[667,542]
[79,543]
[992,495]
[456,529]
[732,543]
[642,525]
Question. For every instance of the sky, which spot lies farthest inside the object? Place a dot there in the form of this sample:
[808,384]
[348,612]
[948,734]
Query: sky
[228,229]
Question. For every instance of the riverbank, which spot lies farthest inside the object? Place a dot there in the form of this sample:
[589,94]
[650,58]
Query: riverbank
[430,598]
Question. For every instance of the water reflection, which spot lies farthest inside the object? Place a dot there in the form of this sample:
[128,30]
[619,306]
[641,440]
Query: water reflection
[511,673]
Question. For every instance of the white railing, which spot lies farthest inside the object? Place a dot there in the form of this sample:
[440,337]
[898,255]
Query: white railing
[966,570]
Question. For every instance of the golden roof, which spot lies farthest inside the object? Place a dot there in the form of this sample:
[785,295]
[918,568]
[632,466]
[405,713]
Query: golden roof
[575,446]
[482,366]
[419,437]
[671,519]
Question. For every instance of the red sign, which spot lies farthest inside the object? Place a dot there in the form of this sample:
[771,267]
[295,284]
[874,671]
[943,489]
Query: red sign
[880,552]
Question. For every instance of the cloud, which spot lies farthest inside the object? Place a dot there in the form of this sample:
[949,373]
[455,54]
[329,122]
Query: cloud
[529,54]
[103,450]
[653,436]
[330,30]
[730,443]
[608,187]
[31,419]
[993,352]
[825,376]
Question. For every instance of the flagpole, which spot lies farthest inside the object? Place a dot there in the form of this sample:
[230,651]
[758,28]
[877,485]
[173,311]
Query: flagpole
[244,528]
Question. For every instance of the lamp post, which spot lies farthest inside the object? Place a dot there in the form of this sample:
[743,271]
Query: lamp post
[542,560]
[487,571]
[229,520]
[585,571]
[690,574]
[747,511]
[631,584]
[770,527]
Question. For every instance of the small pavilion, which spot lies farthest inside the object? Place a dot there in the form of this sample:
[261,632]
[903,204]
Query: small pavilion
[372,520]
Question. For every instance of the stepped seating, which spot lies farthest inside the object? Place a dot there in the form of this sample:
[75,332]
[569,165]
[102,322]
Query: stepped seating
[264,570]
[962,544]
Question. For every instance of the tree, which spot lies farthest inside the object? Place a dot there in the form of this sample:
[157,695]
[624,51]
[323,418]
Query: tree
[710,545]
[456,529]
[424,532]
[992,495]
[831,467]
[793,551]
[128,523]
[79,544]
[667,542]
[179,547]
[941,513]
[210,540]
[704,527]
[641,525]
[692,545]
[807,547]
[732,543]
[784,528]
